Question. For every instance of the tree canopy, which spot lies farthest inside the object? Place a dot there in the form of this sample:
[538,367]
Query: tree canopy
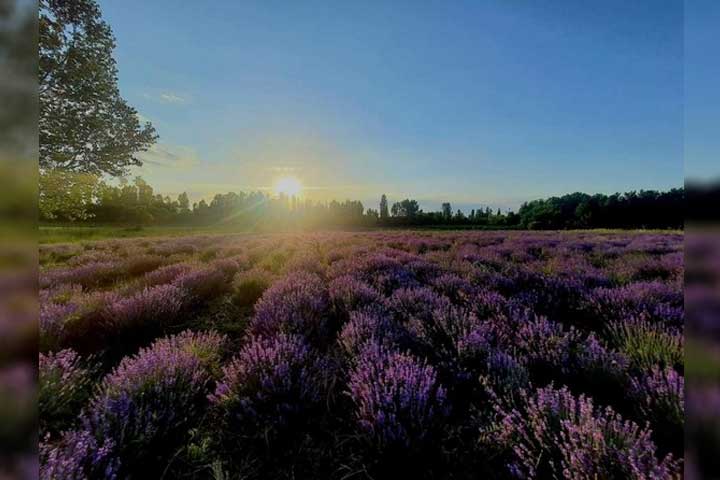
[85,125]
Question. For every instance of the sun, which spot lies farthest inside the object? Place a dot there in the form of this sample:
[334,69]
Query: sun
[289,186]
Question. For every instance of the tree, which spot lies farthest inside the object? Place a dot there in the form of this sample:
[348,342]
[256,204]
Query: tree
[183,203]
[67,196]
[447,211]
[384,214]
[406,208]
[85,125]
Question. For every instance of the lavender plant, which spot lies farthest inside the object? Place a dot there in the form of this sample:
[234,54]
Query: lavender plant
[273,383]
[297,304]
[63,387]
[558,435]
[145,406]
[398,401]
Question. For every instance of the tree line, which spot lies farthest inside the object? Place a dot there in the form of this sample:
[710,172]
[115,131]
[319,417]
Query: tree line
[84,198]
[73,198]
[635,209]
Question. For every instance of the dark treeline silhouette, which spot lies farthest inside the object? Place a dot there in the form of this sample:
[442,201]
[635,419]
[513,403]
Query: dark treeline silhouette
[643,209]
[703,200]
[136,203]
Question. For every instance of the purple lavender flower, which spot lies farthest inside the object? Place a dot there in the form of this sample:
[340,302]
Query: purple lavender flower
[659,398]
[418,303]
[78,455]
[546,345]
[557,435]
[64,383]
[349,293]
[148,309]
[368,326]
[52,323]
[77,324]
[297,304]
[379,270]
[504,374]
[166,274]
[656,300]
[398,400]
[273,382]
[227,266]
[88,275]
[147,403]
[454,287]
[202,284]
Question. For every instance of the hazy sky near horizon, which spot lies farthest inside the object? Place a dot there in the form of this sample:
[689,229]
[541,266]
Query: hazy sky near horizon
[492,102]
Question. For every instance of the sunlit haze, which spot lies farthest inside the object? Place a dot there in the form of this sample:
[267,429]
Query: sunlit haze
[288,186]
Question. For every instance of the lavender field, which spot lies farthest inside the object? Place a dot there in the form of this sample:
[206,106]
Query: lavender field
[365,355]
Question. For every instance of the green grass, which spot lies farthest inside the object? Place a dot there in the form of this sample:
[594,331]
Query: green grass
[73,234]
[48,234]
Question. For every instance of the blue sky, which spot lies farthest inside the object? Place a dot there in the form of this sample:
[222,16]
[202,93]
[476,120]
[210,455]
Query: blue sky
[702,97]
[492,102]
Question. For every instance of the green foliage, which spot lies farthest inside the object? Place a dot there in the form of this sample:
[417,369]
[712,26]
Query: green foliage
[646,345]
[407,208]
[384,212]
[67,196]
[249,286]
[85,125]
[644,209]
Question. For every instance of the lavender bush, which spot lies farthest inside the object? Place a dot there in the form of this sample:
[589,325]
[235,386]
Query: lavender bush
[558,435]
[368,326]
[659,398]
[273,382]
[397,398]
[63,388]
[647,344]
[146,404]
[298,304]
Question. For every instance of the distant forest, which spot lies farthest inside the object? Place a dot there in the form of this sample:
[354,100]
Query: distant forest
[88,200]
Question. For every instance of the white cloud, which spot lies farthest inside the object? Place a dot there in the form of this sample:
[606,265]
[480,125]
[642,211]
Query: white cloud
[169,156]
[172,98]
[168,97]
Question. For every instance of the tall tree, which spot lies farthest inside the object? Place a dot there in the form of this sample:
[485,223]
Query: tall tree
[447,211]
[85,125]
[183,203]
[384,212]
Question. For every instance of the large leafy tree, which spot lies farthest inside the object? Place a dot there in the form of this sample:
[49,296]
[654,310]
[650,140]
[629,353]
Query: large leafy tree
[406,208]
[85,125]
